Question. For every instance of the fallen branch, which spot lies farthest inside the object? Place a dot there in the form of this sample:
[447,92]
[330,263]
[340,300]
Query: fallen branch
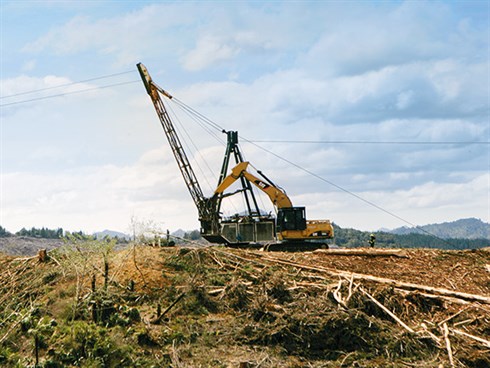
[430,334]
[51,257]
[216,291]
[159,318]
[433,296]
[338,297]
[390,313]
[454,315]
[466,321]
[476,338]
[448,344]
[364,252]
[12,327]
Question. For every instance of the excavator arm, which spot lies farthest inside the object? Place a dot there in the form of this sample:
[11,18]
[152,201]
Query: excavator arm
[291,221]
[276,195]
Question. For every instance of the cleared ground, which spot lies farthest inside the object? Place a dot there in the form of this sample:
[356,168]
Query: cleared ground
[219,307]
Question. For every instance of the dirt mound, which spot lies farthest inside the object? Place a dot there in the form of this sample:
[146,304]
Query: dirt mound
[219,307]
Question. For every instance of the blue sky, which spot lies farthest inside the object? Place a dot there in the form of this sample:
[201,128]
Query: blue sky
[332,71]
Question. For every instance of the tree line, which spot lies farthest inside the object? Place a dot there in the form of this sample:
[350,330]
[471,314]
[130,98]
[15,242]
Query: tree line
[351,238]
[34,232]
[348,238]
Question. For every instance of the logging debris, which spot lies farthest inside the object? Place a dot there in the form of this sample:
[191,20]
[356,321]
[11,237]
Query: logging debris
[228,307]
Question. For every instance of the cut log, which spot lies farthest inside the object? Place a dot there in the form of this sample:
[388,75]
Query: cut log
[363,252]
[42,255]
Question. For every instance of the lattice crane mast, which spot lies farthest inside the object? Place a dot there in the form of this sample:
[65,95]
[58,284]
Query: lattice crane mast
[208,215]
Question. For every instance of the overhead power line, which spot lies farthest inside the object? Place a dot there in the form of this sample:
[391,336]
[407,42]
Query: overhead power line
[348,192]
[66,84]
[370,142]
[216,126]
[68,93]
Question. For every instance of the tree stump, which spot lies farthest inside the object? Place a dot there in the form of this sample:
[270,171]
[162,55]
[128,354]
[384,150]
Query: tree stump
[42,255]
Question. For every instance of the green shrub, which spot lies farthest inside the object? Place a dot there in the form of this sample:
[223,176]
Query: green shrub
[88,345]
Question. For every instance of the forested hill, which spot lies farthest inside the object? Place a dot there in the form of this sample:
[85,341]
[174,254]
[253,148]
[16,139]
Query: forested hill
[470,228]
[352,238]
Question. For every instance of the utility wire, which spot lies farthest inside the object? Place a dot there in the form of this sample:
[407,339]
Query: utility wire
[197,113]
[370,142]
[205,124]
[182,127]
[66,84]
[201,121]
[349,192]
[68,93]
[216,126]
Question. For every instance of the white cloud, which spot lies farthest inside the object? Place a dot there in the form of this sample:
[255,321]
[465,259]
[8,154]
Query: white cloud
[98,197]
[386,37]
[29,65]
[208,51]
[404,99]
[423,204]
[124,36]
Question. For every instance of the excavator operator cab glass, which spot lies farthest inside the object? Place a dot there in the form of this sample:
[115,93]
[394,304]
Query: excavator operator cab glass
[292,218]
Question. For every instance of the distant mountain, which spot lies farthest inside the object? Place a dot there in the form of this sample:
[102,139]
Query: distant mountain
[180,233]
[470,228]
[111,234]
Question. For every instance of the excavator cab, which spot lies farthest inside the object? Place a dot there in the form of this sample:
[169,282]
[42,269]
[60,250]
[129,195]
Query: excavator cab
[291,218]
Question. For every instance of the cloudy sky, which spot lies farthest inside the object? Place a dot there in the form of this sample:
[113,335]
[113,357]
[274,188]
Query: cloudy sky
[373,114]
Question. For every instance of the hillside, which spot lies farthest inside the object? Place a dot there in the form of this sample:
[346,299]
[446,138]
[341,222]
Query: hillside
[220,307]
[470,228]
[25,245]
[352,238]
[111,234]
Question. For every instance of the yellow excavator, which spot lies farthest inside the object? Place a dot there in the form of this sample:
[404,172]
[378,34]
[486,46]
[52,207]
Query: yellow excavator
[252,227]
[291,223]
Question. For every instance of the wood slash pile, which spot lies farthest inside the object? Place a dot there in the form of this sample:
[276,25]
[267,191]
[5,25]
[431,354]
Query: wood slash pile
[222,307]
[443,319]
